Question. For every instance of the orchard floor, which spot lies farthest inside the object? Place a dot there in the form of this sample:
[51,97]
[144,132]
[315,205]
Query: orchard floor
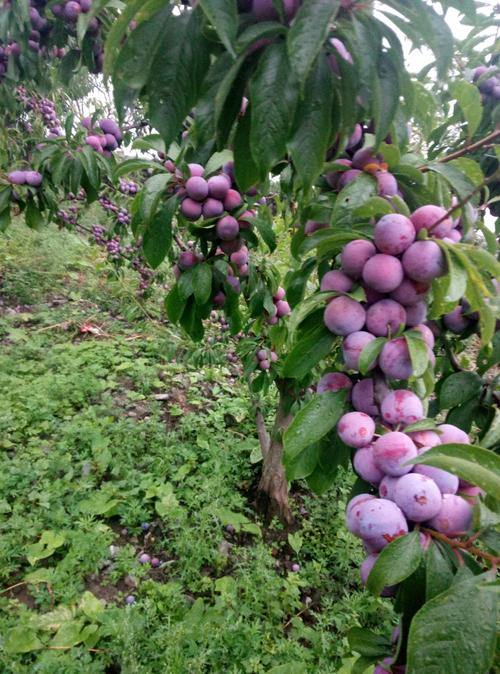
[117,439]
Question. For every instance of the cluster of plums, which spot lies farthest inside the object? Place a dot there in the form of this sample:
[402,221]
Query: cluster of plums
[127,186]
[43,107]
[103,138]
[71,9]
[487,79]
[122,214]
[25,177]
[395,271]
[281,307]
[265,357]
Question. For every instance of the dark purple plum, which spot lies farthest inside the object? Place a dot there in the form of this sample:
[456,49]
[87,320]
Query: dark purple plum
[212,208]
[356,429]
[110,126]
[416,314]
[312,226]
[348,177]
[447,482]
[410,292]
[233,200]
[333,381]
[363,397]
[218,187]
[190,209]
[240,257]
[355,255]
[344,315]
[425,217]
[387,184]
[380,522]
[393,234]
[454,517]
[227,228]
[197,188]
[187,259]
[365,467]
[455,321]
[385,316]
[391,451]
[336,280]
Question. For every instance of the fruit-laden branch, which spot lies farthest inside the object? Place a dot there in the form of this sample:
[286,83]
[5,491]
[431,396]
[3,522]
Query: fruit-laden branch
[466,546]
[470,147]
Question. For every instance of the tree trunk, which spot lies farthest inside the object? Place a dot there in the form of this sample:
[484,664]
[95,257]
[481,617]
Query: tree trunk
[272,492]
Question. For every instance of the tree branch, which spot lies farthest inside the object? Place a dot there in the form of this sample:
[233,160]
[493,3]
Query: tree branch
[470,147]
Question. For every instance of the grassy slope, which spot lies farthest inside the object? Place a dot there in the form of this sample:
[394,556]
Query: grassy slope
[89,454]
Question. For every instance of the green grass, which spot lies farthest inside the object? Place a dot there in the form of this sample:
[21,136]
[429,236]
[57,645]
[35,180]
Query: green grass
[89,454]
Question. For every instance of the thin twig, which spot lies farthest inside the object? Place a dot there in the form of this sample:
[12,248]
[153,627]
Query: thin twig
[463,545]
[470,147]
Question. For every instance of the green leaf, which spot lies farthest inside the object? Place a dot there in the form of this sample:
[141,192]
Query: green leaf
[22,639]
[133,165]
[32,215]
[459,182]
[367,643]
[273,98]
[295,541]
[370,353]
[468,98]
[87,157]
[308,34]
[150,195]
[352,197]
[333,454]
[419,354]
[157,238]
[454,283]
[492,436]
[246,171]
[263,222]
[49,542]
[303,464]
[91,605]
[311,137]
[174,304]
[308,352]
[373,208]
[458,626]
[202,283]
[69,634]
[386,96]
[177,73]
[458,388]
[313,421]
[395,562]
[217,160]
[223,15]
[475,464]
[438,571]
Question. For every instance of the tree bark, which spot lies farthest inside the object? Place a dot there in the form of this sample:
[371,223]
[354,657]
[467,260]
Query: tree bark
[272,492]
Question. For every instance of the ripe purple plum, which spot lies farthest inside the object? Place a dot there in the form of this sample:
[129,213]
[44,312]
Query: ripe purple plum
[336,280]
[427,334]
[402,407]
[196,170]
[425,438]
[187,259]
[416,314]
[380,522]
[352,347]
[279,294]
[144,558]
[282,308]
[355,255]
[365,467]
[17,177]
[451,433]
[219,299]
[110,126]
[233,200]
[424,261]
[391,451]
[94,142]
[218,187]
[447,482]
[409,292]
[333,381]
[363,157]
[383,273]
[264,364]
[425,217]
[312,226]
[34,178]
[364,572]
[394,359]
[363,397]
[454,516]
[353,512]
[394,233]
[230,247]
[191,209]
[212,208]
[418,496]
[387,184]
[348,177]
[240,257]
[455,321]
[227,228]
[387,486]
[385,316]
[355,137]
[72,10]
[111,142]
[343,315]
[197,188]
[356,429]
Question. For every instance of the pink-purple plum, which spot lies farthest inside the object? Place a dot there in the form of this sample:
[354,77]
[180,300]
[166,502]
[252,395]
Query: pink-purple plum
[383,273]
[282,308]
[416,314]
[227,228]
[196,170]
[243,270]
[353,512]
[110,142]
[155,562]
[219,299]
[233,200]
[363,157]
[95,142]
[243,219]
[380,522]
[240,257]
[365,467]
[409,292]
[264,364]
[212,208]
[343,315]
[187,259]
[385,316]
[356,429]
[424,261]
[451,433]
[453,237]
[355,255]
[348,177]
[72,10]
[336,280]
[447,482]
[197,188]
[391,451]
[17,177]
[425,217]
[218,187]
[144,558]
[333,381]
[393,234]
[352,347]
[387,184]
[85,5]
[402,407]
[454,516]
[279,294]
[312,226]
[425,438]
[387,486]
[364,571]
[426,333]
[230,247]
[394,359]
[418,496]
[363,397]
[190,209]
[455,321]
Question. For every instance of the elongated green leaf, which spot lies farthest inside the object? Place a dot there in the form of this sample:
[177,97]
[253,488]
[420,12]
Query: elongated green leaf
[87,157]
[368,643]
[438,571]
[397,561]
[370,353]
[462,185]
[468,98]
[117,31]
[258,31]
[263,222]
[177,73]
[32,215]
[492,436]
[308,34]
[333,455]
[246,170]
[303,464]
[223,15]
[475,464]
[174,304]
[202,283]
[22,639]
[352,197]
[458,626]
[158,235]
[386,96]
[455,282]
[273,98]
[308,352]
[313,118]
[419,354]
[458,388]
[132,165]
[313,421]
